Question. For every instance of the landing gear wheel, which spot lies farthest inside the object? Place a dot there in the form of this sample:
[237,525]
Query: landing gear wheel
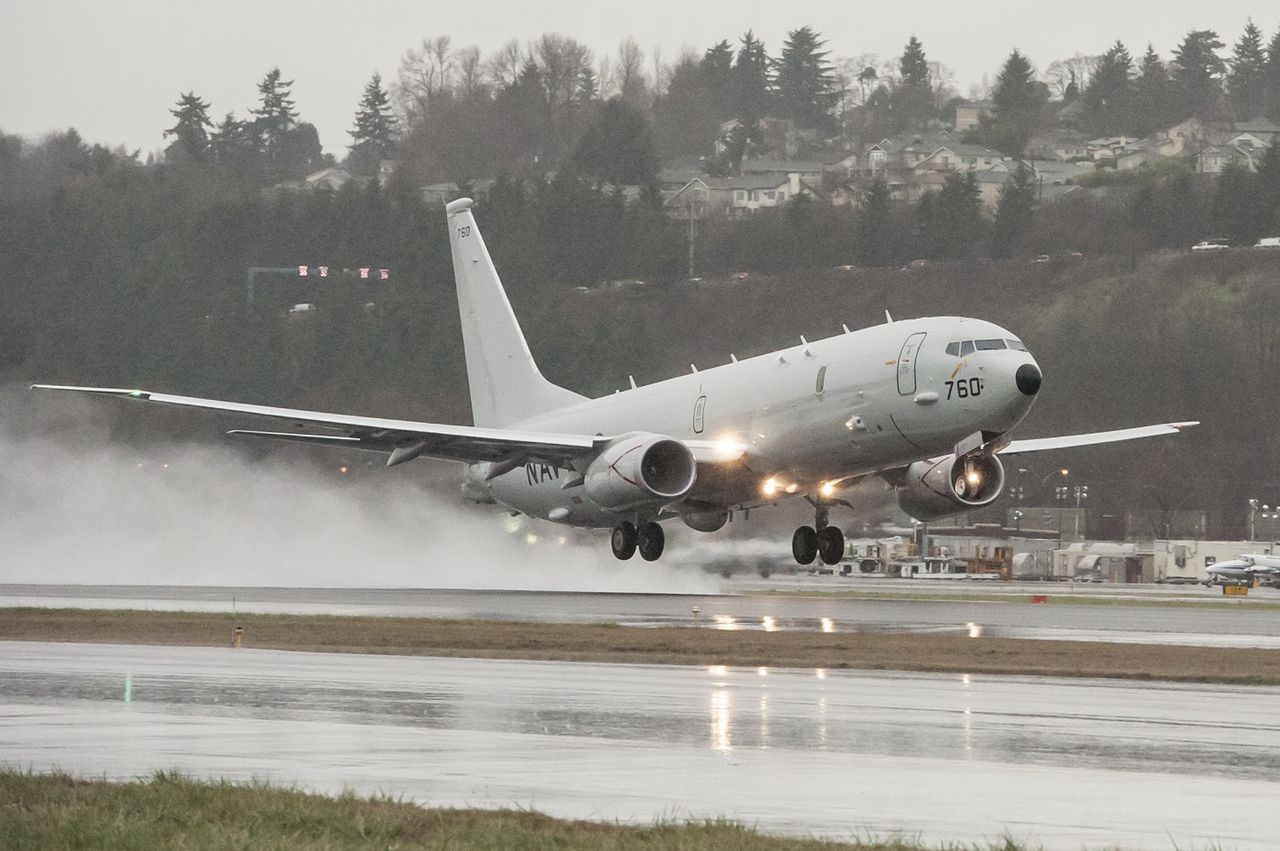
[804,545]
[623,540]
[651,540]
[830,544]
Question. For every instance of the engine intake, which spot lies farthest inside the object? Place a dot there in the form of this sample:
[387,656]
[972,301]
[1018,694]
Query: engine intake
[640,470]
[932,489]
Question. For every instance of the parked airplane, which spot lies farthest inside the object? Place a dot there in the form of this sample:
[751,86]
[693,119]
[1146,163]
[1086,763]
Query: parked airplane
[1244,569]
[927,404]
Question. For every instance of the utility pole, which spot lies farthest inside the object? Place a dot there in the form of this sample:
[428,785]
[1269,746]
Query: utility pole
[690,233]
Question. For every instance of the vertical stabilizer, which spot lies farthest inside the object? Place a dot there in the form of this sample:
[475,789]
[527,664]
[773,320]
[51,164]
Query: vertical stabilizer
[506,386]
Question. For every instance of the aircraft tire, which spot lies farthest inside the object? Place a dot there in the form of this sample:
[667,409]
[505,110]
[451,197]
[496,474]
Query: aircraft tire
[651,541]
[623,540]
[804,545]
[830,544]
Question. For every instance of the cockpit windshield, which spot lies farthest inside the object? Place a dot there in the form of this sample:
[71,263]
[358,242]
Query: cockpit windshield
[961,348]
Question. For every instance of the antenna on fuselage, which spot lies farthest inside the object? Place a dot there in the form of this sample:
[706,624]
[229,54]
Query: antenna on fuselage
[632,379]
[733,357]
[845,328]
[887,318]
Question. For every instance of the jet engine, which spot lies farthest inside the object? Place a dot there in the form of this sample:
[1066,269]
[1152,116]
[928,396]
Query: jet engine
[928,490]
[640,470]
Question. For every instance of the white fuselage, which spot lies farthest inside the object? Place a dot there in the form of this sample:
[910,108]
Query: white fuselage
[869,400]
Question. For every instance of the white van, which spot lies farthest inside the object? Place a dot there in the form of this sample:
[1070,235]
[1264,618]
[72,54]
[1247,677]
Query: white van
[1268,242]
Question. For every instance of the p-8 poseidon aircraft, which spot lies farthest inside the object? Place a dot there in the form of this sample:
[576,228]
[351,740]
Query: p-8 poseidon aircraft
[926,404]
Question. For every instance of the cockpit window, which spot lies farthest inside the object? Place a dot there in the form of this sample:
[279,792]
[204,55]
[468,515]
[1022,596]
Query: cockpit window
[966,348]
[953,348]
[1016,345]
[989,345]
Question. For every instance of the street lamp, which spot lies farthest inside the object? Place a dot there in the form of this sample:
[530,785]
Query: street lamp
[1253,510]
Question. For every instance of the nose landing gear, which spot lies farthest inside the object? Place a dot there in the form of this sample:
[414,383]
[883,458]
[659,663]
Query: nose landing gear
[821,540]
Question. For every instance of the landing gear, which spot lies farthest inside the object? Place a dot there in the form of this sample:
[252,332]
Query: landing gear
[830,544]
[624,540]
[804,545]
[651,540]
[820,540]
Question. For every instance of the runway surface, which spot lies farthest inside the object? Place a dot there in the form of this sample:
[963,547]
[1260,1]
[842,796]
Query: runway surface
[1068,763]
[1124,619]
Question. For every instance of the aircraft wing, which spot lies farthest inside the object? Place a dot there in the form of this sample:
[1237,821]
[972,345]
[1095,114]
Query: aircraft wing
[1069,441]
[402,439]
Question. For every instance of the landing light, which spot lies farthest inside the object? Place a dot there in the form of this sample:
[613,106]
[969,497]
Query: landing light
[792,488]
[770,487]
[974,477]
[828,488]
[729,449]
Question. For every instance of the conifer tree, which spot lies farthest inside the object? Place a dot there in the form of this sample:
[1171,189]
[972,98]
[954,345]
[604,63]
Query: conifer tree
[275,114]
[1013,212]
[1246,81]
[1197,73]
[1108,97]
[373,137]
[751,80]
[804,86]
[191,132]
[1271,79]
[873,225]
[913,97]
[1018,99]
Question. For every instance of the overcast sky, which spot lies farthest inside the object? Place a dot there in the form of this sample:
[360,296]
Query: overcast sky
[113,70]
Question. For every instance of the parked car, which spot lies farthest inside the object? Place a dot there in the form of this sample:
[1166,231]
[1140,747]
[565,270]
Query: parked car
[1215,244]
[1268,242]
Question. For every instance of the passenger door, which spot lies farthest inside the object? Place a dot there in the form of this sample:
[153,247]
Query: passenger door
[907,363]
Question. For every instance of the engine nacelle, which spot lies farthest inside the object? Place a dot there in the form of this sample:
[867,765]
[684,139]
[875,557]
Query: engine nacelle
[638,471]
[932,489]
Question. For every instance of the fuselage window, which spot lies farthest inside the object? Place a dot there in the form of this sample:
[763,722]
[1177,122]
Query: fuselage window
[966,348]
[822,380]
[1016,345]
[953,348]
[989,345]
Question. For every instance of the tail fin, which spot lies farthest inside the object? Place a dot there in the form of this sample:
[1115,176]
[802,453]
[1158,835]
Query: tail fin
[506,386]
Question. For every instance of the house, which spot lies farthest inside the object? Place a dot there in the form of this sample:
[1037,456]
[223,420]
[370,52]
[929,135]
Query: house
[777,135]
[1063,145]
[1215,158]
[1263,128]
[736,197]
[958,156]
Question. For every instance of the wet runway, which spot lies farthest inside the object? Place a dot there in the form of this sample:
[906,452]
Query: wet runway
[1069,763]
[1246,625]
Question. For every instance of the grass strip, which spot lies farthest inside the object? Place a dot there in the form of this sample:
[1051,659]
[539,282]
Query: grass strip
[661,645]
[172,811]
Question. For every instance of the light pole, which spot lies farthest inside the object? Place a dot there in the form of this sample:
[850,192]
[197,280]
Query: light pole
[1253,510]
[1082,492]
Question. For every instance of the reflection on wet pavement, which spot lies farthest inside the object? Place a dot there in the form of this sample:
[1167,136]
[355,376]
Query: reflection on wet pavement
[832,753]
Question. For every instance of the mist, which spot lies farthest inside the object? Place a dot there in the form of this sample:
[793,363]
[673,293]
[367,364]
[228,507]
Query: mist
[78,508]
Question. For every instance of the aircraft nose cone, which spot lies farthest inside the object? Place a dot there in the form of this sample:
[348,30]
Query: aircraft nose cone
[1028,379]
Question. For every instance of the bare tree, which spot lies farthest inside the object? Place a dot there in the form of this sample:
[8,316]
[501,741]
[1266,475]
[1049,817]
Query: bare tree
[470,73]
[606,80]
[632,86]
[944,84]
[503,67]
[424,72]
[560,59]
[1059,73]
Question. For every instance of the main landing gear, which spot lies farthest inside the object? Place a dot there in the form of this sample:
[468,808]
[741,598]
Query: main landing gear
[819,540]
[648,538]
